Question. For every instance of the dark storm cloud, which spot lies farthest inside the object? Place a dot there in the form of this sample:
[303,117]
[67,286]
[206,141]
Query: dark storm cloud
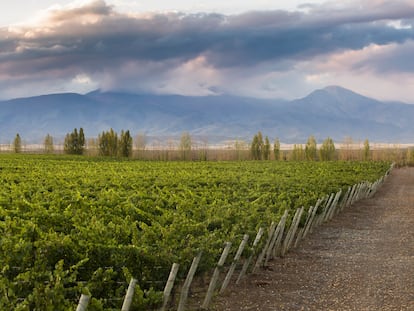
[95,37]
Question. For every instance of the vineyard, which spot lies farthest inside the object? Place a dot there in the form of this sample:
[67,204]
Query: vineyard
[73,225]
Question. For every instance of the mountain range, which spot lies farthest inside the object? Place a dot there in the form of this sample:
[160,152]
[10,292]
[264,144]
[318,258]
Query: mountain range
[333,111]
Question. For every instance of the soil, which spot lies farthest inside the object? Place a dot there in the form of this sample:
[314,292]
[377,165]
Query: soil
[361,260]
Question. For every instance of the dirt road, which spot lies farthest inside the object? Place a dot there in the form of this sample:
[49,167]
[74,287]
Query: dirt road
[361,260]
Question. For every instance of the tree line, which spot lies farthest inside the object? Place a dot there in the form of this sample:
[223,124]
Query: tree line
[260,149]
[113,144]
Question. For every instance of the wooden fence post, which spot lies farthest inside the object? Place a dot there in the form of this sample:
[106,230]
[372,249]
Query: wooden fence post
[345,199]
[187,282]
[235,261]
[314,220]
[277,247]
[248,261]
[334,205]
[169,285]
[263,252]
[129,295]
[216,273]
[292,230]
[278,232]
[83,302]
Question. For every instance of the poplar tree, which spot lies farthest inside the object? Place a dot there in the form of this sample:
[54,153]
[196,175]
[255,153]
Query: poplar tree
[327,150]
[257,147]
[311,149]
[185,146]
[276,149]
[266,149]
[125,144]
[366,150]
[108,143]
[17,144]
[74,142]
[48,144]
[298,154]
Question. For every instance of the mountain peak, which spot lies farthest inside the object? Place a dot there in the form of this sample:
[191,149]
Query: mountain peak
[335,89]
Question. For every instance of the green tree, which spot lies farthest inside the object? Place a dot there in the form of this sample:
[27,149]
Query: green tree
[240,147]
[266,149]
[298,154]
[311,149]
[140,142]
[254,148]
[327,150]
[366,150]
[74,142]
[257,146]
[185,146]
[276,149]
[17,144]
[108,143]
[125,144]
[48,144]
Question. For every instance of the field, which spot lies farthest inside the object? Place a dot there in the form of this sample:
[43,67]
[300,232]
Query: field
[79,224]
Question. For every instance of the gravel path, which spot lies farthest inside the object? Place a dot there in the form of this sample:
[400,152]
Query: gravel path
[361,260]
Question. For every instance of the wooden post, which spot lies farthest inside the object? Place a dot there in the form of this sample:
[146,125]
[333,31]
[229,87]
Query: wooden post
[301,233]
[292,230]
[327,206]
[263,252]
[292,237]
[169,286]
[83,303]
[334,205]
[187,282]
[278,243]
[345,199]
[129,295]
[321,216]
[235,261]
[216,273]
[313,221]
[248,261]
[277,233]
[351,196]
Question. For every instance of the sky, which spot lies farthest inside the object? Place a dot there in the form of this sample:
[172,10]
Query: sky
[261,48]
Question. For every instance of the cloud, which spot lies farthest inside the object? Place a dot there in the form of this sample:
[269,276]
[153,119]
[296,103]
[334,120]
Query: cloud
[195,53]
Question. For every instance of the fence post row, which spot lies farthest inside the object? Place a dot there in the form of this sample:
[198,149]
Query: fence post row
[278,234]
[234,263]
[248,261]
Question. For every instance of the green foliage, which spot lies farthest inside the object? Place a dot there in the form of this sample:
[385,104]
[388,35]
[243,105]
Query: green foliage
[48,144]
[298,154]
[327,151]
[276,149]
[108,143]
[17,144]
[257,146]
[366,150]
[185,146]
[266,149]
[125,144]
[311,149]
[75,224]
[74,142]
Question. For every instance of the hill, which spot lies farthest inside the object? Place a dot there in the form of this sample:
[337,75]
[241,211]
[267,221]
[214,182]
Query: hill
[332,111]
